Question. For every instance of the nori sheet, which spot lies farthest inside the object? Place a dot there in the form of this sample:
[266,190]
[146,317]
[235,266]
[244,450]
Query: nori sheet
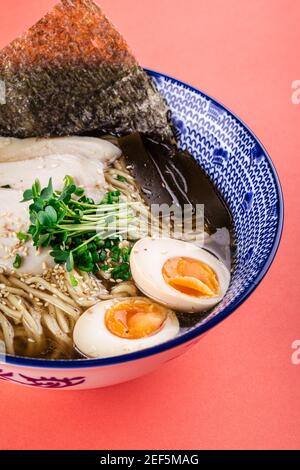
[73,73]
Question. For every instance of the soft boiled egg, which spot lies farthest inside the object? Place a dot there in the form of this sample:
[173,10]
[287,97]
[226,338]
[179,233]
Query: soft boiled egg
[121,326]
[178,274]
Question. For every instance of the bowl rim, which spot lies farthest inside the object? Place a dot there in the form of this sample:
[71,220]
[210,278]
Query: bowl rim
[198,330]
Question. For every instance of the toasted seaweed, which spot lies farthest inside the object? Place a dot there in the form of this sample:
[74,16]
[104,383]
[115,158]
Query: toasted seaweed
[73,73]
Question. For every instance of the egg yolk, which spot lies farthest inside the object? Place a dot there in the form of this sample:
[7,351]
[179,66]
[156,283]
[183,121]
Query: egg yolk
[135,319]
[191,277]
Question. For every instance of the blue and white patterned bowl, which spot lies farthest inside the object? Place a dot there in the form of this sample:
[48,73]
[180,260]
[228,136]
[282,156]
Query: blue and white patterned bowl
[241,169]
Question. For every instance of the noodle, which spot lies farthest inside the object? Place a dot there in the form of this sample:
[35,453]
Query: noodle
[33,329]
[54,300]
[9,312]
[8,334]
[125,289]
[62,321]
[18,292]
[54,329]
[42,282]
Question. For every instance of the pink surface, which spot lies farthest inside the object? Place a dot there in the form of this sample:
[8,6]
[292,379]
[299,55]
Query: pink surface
[237,388]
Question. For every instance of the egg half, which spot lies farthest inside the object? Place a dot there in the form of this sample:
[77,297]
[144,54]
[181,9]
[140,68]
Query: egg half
[121,326]
[178,274]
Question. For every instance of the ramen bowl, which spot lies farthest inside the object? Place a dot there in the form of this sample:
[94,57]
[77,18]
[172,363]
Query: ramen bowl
[243,172]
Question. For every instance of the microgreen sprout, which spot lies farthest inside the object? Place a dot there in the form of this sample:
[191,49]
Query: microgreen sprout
[77,229]
[18,261]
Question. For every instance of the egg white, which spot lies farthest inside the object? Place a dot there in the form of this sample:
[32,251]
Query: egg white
[147,260]
[92,338]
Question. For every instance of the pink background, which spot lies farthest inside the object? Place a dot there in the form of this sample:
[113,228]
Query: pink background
[237,388]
